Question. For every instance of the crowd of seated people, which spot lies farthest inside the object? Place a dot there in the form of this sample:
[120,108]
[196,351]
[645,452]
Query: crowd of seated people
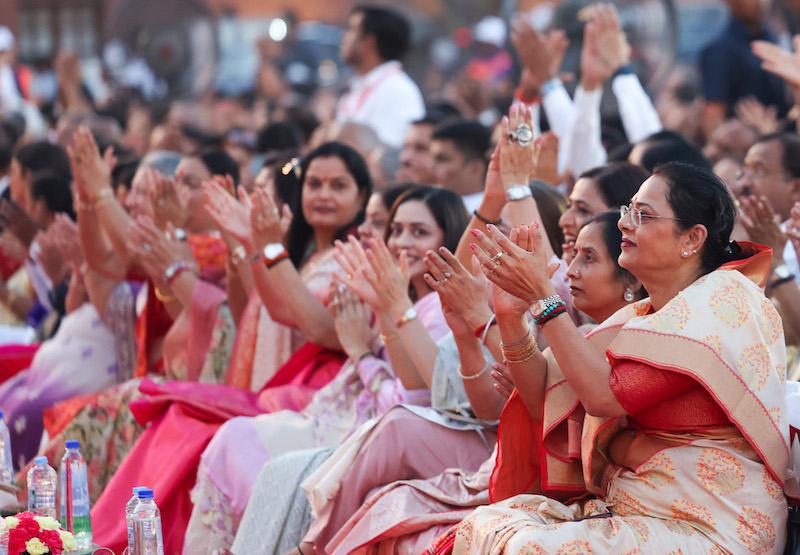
[389,325]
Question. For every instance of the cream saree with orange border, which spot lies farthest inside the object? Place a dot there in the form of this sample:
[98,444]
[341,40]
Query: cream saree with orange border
[720,491]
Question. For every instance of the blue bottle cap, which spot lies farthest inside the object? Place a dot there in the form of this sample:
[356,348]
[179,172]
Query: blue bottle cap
[145,493]
[73,444]
[137,489]
[40,460]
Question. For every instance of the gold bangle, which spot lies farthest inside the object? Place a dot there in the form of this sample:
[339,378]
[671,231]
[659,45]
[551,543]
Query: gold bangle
[166,299]
[522,353]
[386,339]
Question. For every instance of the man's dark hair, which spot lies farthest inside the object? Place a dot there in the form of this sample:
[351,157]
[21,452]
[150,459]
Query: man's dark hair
[54,189]
[391,30]
[42,155]
[790,142]
[669,146]
[470,138]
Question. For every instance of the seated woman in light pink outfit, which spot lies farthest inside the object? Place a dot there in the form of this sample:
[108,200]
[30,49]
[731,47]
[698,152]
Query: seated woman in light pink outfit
[389,278]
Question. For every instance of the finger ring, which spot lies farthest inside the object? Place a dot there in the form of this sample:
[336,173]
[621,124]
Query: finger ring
[443,281]
[447,275]
[349,276]
[496,258]
[512,136]
[147,247]
[259,218]
[494,267]
[161,202]
[524,134]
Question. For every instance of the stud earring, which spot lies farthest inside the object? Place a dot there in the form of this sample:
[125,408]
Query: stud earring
[628,295]
[685,253]
[694,251]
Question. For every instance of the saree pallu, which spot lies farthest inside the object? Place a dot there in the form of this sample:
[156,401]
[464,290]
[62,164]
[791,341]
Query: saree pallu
[689,491]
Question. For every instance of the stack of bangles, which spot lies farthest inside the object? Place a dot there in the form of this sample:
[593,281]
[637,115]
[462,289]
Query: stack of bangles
[522,350]
[551,312]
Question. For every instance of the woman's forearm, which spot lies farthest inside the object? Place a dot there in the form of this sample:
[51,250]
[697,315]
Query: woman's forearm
[529,375]
[585,368]
[96,248]
[487,403]
[403,364]
[114,220]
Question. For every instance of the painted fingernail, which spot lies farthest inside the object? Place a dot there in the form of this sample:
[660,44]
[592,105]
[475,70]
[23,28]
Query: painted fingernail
[473,246]
[489,227]
[474,232]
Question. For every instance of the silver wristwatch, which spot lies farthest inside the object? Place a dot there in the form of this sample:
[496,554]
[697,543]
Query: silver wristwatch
[518,192]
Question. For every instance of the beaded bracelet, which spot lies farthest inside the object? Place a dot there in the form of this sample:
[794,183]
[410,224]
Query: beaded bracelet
[486,220]
[547,311]
[555,313]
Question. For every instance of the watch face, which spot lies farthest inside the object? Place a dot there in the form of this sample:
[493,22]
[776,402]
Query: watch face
[410,314]
[537,308]
[272,250]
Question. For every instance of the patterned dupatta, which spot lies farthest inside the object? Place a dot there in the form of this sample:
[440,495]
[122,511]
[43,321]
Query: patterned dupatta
[720,330]
[727,336]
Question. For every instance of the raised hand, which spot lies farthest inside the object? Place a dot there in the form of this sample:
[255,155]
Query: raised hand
[389,278]
[163,194]
[541,54]
[464,296]
[351,319]
[266,225]
[517,264]
[231,215]
[517,163]
[755,114]
[762,225]
[92,172]
[505,381]
[545,152]
[352,258]
[605,47]
[782,63]
[50,259]
[155,251]
[793,229]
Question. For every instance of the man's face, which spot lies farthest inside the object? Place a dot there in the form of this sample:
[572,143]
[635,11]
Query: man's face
[416,161]
[352,39]
[763,174]
[449,165]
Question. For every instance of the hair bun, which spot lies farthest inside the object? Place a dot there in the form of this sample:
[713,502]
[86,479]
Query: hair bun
[732,251]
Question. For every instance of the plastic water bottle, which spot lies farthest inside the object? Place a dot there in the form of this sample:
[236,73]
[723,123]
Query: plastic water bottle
[75,496]
[6,462]
[42,483]
[147,526]
[130,507]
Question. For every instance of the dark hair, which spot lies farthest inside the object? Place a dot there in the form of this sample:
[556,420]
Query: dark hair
[551,205]
[390,194]
[218,162]
[278,136]
[470,138]
[54,189]
[616,182]
[790,142]
[446,207]
[391,30]
[300,232]
[697,196]
[287,185]
[439,111]
[42,155]
[669,146]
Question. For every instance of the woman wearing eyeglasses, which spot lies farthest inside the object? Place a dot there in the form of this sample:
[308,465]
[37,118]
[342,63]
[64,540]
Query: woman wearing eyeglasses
[685,433]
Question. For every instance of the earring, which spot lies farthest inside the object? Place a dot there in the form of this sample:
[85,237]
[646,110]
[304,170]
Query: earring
[628,295]
[685,253]
[694,251]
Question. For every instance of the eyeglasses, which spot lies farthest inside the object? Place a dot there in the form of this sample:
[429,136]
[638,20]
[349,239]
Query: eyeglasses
[636,215]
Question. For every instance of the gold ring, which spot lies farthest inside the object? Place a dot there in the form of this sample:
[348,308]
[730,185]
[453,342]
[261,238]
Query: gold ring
[495,267]
[497,257]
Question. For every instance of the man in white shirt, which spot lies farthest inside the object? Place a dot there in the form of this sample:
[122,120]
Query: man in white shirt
[381,96]
[460,152]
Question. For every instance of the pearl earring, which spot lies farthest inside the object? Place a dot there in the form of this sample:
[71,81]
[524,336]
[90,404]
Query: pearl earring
[628,295]
[694,251]
[685,253]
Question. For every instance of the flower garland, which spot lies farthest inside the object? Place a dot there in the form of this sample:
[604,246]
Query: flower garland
[29,534]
